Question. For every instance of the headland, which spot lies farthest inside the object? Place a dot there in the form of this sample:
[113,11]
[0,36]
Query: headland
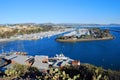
[86,34]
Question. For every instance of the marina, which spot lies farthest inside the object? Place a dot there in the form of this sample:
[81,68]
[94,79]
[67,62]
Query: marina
[86,52]
[35,36]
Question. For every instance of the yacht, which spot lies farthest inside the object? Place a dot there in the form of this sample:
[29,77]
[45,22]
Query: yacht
[60,57]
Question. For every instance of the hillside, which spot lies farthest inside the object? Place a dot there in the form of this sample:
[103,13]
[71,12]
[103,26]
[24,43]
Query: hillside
[82,72]
[7,32]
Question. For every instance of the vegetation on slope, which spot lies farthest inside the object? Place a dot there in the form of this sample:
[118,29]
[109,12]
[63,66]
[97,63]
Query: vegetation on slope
[83,72]
[7,32]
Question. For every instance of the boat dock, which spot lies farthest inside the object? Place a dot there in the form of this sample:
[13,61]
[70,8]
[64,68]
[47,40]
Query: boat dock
[40,35]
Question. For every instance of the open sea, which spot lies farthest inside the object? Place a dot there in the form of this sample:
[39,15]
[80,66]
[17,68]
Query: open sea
[104,54]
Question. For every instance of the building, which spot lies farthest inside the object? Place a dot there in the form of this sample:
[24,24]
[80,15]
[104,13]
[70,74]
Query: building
[4,62]
[41,62]
[76,63]
[24,60]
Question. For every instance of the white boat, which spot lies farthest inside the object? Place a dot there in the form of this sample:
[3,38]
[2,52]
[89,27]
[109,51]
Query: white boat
[41,37]
[61,57]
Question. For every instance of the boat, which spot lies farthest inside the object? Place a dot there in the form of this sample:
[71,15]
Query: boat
[41,37]
[61,57]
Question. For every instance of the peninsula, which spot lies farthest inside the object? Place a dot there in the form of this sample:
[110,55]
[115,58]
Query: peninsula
[85,34]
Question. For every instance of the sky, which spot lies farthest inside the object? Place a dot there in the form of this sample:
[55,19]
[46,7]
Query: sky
[60,11]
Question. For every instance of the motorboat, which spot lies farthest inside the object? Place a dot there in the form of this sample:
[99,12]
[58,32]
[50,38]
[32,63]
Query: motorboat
[60,57]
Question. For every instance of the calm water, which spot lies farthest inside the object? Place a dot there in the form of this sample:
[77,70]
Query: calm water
[100,53]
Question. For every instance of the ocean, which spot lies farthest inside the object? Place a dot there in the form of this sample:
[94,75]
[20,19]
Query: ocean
[104,54]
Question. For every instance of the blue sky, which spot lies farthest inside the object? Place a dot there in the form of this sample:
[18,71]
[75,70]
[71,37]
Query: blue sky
[60,11]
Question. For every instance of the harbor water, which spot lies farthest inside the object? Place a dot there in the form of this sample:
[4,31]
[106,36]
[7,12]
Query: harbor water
[104,54]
